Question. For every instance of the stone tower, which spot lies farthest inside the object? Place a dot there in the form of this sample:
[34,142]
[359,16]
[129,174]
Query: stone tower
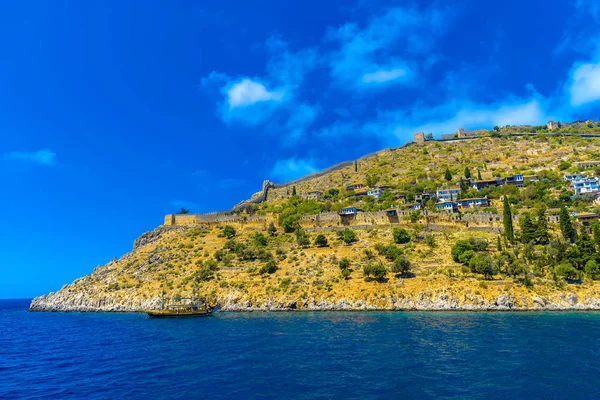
[419,138]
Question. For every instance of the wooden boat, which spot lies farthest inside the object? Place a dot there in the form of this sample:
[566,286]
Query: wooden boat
[182,307]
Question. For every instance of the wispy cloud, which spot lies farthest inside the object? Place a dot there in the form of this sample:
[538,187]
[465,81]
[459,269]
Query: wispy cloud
[385,50]
[248,92]
[252,101]
[292,168]
[584,83]
[44,157]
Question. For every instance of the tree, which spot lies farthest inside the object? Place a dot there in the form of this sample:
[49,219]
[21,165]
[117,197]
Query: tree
[301,237]
[541,231]
[566,226]
[269,268]
[467,173]
[372,180]
[566,270]
[483,264]
[429,136]
[498,243]
[592,270]
[228,231]
[294,191]
[259,239]
[401,265]
[508,223]
[596,233]
[355,166]
[344,263]
[374,271]
[586,247]
[401,235]
[271,229]
[464,186]
[184,211]
[527,228]
[348,236]
[459,248]
[320,240]
[478,174]
[448,175]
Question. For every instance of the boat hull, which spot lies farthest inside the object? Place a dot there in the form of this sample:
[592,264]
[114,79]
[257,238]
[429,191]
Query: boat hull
[166,314]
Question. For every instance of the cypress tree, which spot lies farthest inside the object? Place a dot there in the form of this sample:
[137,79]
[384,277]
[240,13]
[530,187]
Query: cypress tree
[355,166]
[508,223]
[467,172]
[541,230]
[294,191]
[596,233]
[527,228]
[448,175]
[478,174]
[586,246]
[566,226]
[499,243]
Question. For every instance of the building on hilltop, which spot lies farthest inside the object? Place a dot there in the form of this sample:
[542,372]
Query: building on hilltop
[585,185]
[585,218]
[424,197]
[574,177]
[587,164]
[375,193]
[515,180]
[354,186]
[474,202]
[413,207]
[448,194]
[314,195]
[478,185]
[449,206]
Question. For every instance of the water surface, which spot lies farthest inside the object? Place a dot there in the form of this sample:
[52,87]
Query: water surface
[338,355]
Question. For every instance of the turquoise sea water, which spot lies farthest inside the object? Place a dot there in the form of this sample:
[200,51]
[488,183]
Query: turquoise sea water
[360,355]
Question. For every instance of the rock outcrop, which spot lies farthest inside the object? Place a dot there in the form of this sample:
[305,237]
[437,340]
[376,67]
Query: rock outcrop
[234,300]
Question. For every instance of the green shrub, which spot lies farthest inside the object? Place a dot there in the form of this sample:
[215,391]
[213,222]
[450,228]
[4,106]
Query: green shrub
[321,240]
[269,268]
[401,265]
[566,270]
[376,271]
[228,231]
[401,235]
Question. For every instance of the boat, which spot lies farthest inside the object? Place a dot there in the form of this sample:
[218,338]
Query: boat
[182,307]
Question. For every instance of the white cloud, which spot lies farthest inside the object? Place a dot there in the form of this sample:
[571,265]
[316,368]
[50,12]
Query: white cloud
[273,97]
[397,126]
[584,84]
[247,92]
[292,168]
[42,157]
[385,75]
[395,38]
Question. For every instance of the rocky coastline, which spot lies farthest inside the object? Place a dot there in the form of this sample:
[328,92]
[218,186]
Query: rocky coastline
[235,302]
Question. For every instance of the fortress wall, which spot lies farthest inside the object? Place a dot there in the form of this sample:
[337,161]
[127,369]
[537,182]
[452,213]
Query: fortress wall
[186,219]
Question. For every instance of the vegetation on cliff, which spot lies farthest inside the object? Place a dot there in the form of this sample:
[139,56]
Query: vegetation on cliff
[522,258]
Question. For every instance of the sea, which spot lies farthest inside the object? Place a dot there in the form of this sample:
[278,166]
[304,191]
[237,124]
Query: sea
[299,355]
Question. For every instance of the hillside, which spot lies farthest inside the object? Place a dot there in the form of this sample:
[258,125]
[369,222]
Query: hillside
[292,250]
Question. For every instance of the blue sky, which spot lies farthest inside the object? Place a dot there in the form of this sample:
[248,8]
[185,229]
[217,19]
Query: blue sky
[113,114]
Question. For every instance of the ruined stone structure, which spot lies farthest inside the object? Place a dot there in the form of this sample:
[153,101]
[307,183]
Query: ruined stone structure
[552,125]
[419,138]
[256,198]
